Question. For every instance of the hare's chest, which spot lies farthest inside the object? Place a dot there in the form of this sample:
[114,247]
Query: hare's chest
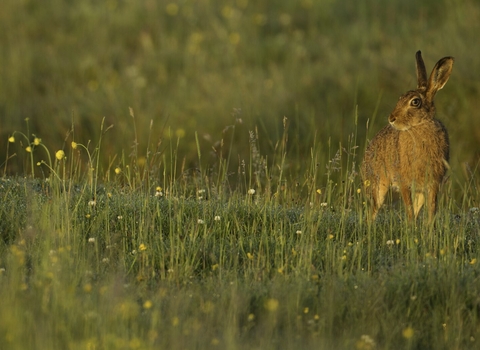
[420,158]
[417,150]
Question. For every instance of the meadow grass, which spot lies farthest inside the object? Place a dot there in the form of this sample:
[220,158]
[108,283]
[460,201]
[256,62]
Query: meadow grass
[185,175]
[145,258]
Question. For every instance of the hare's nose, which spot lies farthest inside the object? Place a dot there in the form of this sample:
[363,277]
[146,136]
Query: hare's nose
[392,118]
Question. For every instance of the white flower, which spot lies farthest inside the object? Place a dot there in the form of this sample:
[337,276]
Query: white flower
[200,222]
[390,242]
[91,240]
[158,192]
[92,203]
[216,218]
[299,232]
[251,191]
[324,204]
[368,342]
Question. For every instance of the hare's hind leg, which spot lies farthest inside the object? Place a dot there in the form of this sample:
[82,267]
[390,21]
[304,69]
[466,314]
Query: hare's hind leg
[432,203]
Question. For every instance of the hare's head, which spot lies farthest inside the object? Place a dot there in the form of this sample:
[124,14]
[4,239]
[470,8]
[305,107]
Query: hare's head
[416,106]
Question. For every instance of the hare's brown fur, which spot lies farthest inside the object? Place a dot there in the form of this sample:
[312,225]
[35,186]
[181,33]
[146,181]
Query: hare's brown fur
[411,153]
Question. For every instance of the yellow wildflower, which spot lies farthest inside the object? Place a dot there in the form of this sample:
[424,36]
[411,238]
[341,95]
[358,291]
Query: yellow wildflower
[172,9]
[408,332]
[180,133]
[60,155]
[271,304]
[234,38]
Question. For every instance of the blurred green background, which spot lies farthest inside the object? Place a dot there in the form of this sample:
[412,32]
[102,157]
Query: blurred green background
[204,65]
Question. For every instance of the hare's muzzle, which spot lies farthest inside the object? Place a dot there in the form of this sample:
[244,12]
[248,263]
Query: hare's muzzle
[396,124]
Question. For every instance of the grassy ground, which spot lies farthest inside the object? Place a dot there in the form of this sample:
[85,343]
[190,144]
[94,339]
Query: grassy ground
[185,174]
[136,262]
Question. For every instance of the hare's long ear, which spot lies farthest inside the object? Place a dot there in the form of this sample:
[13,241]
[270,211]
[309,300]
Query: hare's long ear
[421,71]
[439,77]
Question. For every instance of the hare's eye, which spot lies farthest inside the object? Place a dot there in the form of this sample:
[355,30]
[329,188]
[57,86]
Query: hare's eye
[416,102]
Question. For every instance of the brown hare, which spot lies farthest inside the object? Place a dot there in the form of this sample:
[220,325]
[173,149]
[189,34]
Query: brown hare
[411,153]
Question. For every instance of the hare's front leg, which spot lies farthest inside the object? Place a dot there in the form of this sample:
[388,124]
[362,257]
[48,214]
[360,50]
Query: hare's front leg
[418,203]
[407,199]
[378,195]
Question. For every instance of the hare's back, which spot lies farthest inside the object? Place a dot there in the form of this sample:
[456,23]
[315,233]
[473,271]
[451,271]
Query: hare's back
[381,155]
